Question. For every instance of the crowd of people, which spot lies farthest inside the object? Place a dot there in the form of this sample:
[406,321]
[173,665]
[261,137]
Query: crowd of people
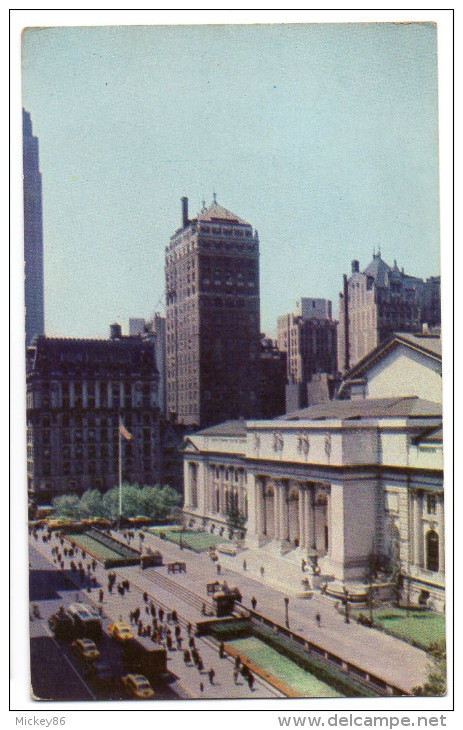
[160,625]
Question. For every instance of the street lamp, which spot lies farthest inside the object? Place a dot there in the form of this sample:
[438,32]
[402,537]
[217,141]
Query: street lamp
[287,612]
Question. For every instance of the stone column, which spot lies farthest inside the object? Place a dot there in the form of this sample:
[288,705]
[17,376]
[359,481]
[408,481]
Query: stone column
[276,510]
[284,517]
[441,531]
[187,498]
[310,542]
[302,516]
[418,538]
[259,486]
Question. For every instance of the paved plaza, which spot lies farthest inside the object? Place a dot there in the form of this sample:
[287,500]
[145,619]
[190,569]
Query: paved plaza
[393,660]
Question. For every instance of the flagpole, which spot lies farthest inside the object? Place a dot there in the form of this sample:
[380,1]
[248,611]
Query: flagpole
[120,467]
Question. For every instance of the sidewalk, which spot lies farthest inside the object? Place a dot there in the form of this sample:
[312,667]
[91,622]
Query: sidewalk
[393,660]
[189,679]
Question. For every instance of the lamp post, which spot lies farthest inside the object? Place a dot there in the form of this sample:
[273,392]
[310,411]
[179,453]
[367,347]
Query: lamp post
[287,612]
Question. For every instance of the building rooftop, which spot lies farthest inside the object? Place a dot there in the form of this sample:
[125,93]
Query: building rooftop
[227,428]
[216,213]
[398,407]
[378,269]
[430,342]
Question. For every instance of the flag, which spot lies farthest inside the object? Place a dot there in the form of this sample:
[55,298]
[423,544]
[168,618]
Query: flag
[123,431]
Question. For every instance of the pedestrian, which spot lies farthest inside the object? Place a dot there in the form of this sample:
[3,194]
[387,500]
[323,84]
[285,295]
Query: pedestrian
[186,656]
[245,565]
[189,628]
[179,642]
[253,603]
[101,596]
[262,571]
[221,650]
[191,642]
[303,564]
[200,664]
[145,597]
[318,619]
[211,675]
[237,662]
[161,614]
[201,687]
[219,568]
[251,681]
[235,676]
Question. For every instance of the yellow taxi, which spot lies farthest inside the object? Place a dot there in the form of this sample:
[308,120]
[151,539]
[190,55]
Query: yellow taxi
[136,685]
[120,631]
[85,649]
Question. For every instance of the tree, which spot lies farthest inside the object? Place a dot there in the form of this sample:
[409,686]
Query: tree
[235,518]
[91,504]
[436,686]
[67,505]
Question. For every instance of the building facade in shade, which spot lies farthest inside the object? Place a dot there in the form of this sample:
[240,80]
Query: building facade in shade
[379,301]
[212,318]
[77,390]
[308,336]
[342,482]
[156,329]
[33,233]
[272,379]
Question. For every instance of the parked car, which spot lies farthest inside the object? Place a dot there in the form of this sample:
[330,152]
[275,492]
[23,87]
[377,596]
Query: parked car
[136,685]
[99,673]
[85,649]
[120,631]
[62,625]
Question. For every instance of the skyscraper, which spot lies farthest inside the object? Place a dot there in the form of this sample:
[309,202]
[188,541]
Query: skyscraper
[33,233]
[212,318]
[379,301]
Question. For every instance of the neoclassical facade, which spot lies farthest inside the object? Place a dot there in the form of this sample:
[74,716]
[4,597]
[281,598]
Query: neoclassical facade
[345,480]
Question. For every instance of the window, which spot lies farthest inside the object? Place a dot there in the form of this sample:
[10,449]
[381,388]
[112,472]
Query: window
[432,551]
[431,504]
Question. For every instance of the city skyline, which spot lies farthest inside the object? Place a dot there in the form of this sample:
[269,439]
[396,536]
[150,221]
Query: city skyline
[321,187]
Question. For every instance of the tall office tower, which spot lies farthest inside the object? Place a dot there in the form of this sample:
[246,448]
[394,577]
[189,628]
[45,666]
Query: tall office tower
[308,336]
[212,318]
[379,301]
[77,390]
[33,233]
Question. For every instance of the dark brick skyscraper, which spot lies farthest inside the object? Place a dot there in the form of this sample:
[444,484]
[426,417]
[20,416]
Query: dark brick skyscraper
[33,233]
[213,318]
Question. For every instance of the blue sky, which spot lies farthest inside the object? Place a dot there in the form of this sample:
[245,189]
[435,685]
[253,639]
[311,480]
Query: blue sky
[323,136]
